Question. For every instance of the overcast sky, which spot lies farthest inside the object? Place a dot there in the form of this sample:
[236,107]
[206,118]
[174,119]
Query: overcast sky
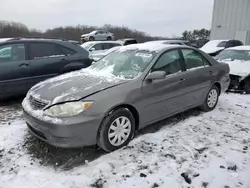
[156,17]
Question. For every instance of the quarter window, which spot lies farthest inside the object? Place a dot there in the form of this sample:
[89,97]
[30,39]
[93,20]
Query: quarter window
[97,47]
[44,50]
[12,52]
[169,62]
[193,59]
[107,46]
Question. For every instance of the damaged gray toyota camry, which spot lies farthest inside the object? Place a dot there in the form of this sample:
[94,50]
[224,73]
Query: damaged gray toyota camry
[123,92]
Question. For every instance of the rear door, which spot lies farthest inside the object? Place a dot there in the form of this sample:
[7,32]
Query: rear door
[46,60]
[14,69]
[198,77]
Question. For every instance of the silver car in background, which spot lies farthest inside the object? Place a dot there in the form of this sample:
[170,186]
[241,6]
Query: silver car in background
[97,49]
[97,35]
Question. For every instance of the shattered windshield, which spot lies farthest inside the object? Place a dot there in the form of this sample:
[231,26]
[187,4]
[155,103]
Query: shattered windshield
[126,64]
[231,55]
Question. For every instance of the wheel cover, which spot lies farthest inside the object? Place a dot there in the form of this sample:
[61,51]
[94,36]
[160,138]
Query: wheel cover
[212,98]
[119,131]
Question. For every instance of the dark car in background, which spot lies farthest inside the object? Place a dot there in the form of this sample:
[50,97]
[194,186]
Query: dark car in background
[26,61]
[125,91]
[127,41]
[214,47]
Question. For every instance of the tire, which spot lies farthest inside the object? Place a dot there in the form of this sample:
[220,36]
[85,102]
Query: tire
[91,38]
[211,99]
[106,139]
[109,38]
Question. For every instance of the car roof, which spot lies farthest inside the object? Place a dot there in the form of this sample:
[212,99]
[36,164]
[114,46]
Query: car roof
[147,47]
[239,48]
[126,39]
[166,41]
[97,42]
[17,39]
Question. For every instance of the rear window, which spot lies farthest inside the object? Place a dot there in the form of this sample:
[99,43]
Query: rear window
[128,42]
[222,44]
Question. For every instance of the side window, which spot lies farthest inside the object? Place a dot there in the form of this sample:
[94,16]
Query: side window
[193,59]
[12,52]
[65,50]
[230,44]
[169,62]
[107,46]
[97,46]
[115,44]
[44,50]
[238,43]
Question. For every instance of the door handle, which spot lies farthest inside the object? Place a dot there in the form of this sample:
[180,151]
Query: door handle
[210,72]
[182,79]
[24,65]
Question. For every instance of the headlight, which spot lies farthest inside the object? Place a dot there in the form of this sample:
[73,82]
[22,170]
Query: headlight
[68,109]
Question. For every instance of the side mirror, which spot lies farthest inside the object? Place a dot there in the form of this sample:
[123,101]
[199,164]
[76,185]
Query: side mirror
[157,75]
[92,49]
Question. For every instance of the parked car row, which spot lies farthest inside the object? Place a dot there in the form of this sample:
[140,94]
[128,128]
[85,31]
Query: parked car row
[127,88]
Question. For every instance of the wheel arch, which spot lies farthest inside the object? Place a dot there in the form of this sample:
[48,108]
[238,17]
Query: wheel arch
[218,85]
[130,107]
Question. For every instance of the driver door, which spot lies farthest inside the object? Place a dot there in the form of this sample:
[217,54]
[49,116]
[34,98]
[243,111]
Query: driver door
[164,97]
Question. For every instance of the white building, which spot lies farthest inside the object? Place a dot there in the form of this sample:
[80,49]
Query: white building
[231,20]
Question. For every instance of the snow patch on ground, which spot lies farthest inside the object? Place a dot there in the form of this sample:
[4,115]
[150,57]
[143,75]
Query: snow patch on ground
[209,150]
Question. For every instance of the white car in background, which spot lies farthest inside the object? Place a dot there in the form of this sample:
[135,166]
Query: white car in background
[214,47]
[97,35]
[238,59]
[97,49]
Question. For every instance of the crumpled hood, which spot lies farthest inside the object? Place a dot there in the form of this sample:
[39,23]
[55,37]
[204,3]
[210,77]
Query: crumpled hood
[72,86]
[239,68]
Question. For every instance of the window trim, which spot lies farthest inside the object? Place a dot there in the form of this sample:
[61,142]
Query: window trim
[196,51]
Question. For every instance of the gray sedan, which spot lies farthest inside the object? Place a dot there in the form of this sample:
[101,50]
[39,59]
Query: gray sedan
[125,91]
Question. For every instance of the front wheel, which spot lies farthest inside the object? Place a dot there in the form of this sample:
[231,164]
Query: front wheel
[109,38]
[211,99]
[116,130]
[91,38]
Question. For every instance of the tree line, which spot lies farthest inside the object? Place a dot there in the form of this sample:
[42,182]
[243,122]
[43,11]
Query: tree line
[15,29]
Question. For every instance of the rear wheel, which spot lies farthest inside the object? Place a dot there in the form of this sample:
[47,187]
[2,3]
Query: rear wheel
[116,130]
[211,99]
[109,38]
[91,38]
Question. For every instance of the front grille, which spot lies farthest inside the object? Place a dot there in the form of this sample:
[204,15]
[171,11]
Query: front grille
[37,104]
[235,82]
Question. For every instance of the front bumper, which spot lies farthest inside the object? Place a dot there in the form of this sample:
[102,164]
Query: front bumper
[236,83]
[72,133]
